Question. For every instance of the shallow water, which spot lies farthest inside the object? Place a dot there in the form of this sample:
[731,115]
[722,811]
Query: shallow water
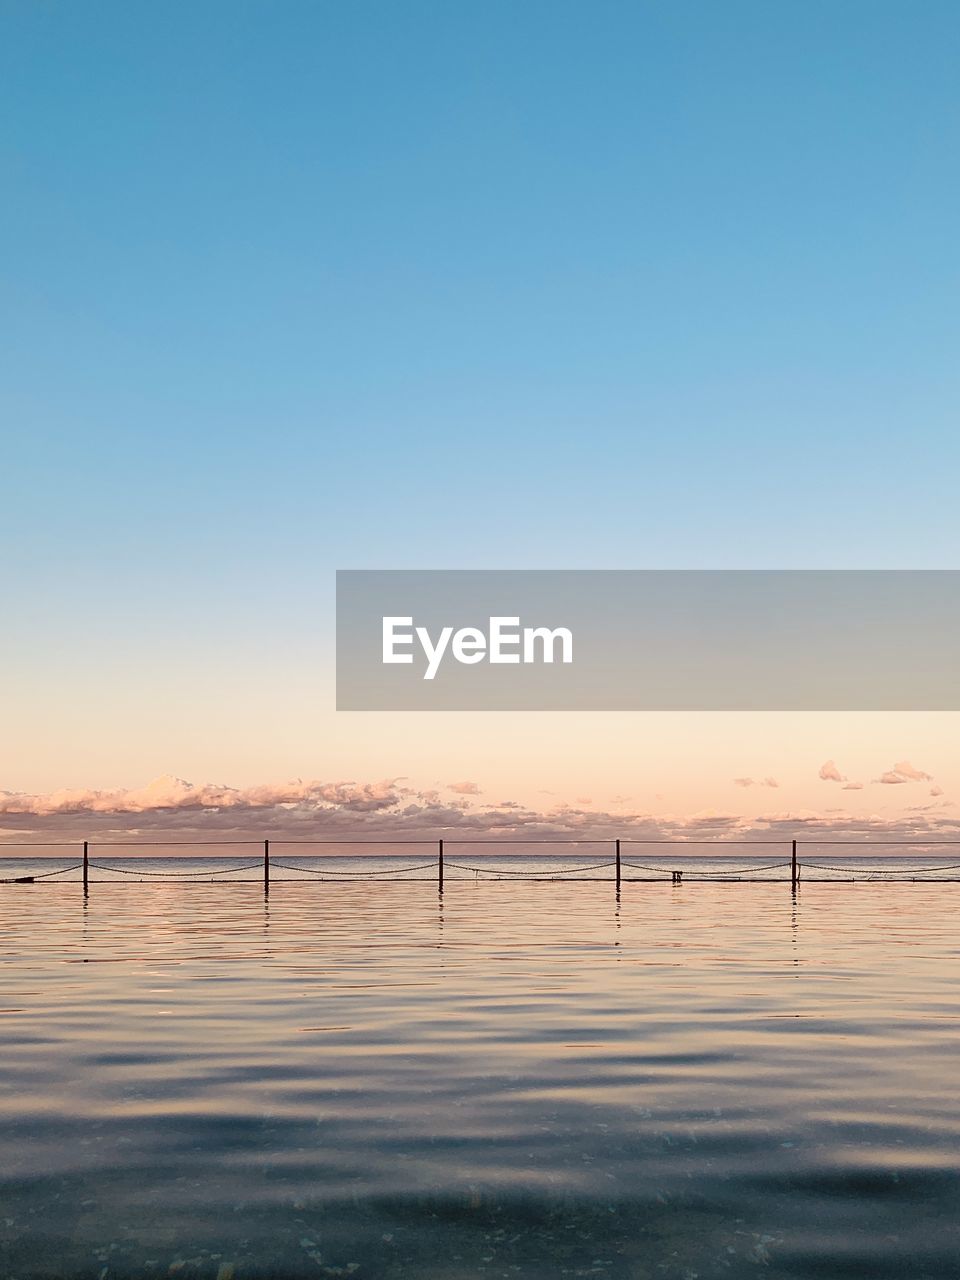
[529,1079]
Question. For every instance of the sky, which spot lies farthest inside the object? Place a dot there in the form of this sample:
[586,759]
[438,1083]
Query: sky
[298,287]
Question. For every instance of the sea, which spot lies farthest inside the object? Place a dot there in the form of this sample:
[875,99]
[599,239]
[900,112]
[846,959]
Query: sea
[533,1071]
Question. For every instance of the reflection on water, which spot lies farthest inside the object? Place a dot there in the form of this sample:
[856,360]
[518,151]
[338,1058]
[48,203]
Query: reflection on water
[518,1079]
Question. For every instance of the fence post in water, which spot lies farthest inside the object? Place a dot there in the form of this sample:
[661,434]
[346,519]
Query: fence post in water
[793,865]
[618,864]
[266,866]
[440,865]
[86,869]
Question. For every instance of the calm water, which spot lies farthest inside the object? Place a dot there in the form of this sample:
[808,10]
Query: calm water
[355,1079]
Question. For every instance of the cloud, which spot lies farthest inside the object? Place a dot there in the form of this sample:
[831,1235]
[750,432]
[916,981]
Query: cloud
[906,770]
[903,772]
[936,791]
[170,794]
[171,809]
[464,788]
[755,782]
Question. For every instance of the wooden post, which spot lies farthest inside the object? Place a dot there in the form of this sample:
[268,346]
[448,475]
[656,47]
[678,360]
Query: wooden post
[440,865]
[86,869]
[793,866]
[266,866]
[618,863]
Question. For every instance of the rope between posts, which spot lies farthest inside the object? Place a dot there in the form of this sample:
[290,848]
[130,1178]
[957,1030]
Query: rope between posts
[881,871]
[332,877]
[739,871]
[42,875]
[725,871]
[176,875]
[549,871]
[339,872]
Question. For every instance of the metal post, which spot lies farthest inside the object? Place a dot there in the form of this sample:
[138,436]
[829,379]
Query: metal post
[618,863]
[266,866]
[440,865]
[794,874]
[86,868]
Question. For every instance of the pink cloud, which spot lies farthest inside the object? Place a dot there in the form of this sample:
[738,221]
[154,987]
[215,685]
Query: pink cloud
[168,793]
[903,772]
[463,788]
[906,770]
[170,808]
[830,773]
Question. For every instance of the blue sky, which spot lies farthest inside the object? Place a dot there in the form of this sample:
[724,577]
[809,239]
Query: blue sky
[288,287]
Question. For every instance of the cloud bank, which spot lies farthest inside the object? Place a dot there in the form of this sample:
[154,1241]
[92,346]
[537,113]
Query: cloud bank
[171,809]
